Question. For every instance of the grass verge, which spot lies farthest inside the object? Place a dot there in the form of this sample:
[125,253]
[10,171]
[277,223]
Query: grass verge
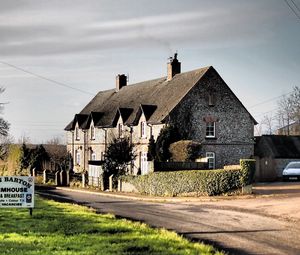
[61,228]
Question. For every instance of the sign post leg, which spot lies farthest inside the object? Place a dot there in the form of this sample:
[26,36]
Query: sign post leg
[30,211]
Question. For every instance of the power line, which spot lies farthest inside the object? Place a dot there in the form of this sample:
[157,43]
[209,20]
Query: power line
[293,10]
[270,100]
[47,79]
[295,5]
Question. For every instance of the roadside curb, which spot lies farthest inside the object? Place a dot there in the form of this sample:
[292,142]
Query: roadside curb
[141,198]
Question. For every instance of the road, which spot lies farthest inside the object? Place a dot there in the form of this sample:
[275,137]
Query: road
[240,226]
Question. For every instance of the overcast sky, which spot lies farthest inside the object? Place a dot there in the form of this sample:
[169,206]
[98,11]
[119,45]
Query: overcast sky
[254,45]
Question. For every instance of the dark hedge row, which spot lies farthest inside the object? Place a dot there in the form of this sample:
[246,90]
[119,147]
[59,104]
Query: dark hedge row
[199,182]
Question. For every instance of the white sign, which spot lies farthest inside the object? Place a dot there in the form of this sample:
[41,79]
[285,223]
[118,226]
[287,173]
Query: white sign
[17,191]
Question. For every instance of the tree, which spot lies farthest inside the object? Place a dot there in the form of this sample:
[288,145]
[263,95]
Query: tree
[289,109]
[120,153]
[58,154]
[4,128]
[31,158]
[151,149]
[267,121]
[295,101]
[169,134]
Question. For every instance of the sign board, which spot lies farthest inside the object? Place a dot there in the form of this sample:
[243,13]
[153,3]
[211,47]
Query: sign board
[16,191]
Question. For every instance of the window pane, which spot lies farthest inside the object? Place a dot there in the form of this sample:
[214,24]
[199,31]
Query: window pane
[210,129]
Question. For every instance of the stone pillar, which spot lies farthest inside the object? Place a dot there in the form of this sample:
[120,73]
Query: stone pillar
[83,180]
[151,166]
[111,182]
[56,179]
[119,185]
[33,172]
[45,176]
[101,183]
[67,177]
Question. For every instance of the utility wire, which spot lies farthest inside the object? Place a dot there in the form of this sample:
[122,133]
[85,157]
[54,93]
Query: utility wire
[269,100]
[295,5]
[47,79]
[293,10]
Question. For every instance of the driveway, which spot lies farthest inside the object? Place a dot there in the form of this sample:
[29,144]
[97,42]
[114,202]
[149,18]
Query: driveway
[261,224]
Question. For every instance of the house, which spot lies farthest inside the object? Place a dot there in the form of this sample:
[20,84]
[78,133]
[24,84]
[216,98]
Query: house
[273,153]
[291,129]
[198,102]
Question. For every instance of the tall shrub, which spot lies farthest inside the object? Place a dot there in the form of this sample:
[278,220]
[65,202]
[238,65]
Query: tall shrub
[167,135]
[248,171]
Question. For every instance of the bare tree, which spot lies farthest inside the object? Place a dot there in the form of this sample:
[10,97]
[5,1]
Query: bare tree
[267,121]
[57,153]
[289,110]
[4,125]
[284,114]
[295,101]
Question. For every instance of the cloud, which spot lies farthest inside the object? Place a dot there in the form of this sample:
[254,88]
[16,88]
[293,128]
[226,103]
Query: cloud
[42,32]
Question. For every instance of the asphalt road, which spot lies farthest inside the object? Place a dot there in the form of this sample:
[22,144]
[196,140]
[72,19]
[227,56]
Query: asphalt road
[235,229]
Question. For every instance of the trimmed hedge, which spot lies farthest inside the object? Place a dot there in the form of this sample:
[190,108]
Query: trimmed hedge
[199,182]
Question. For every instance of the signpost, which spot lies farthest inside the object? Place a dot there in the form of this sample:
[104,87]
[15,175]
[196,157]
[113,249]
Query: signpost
[17,192]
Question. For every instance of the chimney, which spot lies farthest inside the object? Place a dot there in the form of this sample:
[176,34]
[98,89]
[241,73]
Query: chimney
[174,67]
[121,81]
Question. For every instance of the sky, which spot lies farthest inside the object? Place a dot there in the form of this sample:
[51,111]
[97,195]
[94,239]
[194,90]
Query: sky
[56,55]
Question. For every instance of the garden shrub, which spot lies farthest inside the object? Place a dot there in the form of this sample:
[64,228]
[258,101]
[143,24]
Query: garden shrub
[199,182]
[248,171]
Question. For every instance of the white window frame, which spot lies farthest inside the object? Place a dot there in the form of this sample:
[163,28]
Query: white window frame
[92,132]
[144,163]
[211,159]
[143,129]
[210,130]
[78,157]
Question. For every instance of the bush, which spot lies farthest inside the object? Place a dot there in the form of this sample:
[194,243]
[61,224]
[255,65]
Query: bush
[248,171]
[185,150]
[199,182]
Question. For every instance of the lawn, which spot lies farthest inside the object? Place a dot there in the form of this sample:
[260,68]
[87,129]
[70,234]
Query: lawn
[61,228]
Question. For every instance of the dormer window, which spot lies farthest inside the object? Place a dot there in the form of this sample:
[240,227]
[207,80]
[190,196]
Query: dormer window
[143,129]
[120,130]
[78,157]
[92,133]
[77,137]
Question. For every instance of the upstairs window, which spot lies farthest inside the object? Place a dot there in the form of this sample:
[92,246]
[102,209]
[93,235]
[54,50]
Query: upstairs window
[120,130]
[78,158]
[211,99]
[211,160]
[143,129]
[210,129]
[77,137]
[92,133]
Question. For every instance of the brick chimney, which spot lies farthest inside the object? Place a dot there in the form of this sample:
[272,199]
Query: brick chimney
[174,67]
[121,81]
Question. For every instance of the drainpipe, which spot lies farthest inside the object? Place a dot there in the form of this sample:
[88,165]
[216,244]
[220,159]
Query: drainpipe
[73,149]
[84,149]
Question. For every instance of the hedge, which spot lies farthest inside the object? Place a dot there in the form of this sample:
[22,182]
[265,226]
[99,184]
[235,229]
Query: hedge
[199,182]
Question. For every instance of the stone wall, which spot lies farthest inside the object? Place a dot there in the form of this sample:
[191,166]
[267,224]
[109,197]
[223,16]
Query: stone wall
[233,124]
